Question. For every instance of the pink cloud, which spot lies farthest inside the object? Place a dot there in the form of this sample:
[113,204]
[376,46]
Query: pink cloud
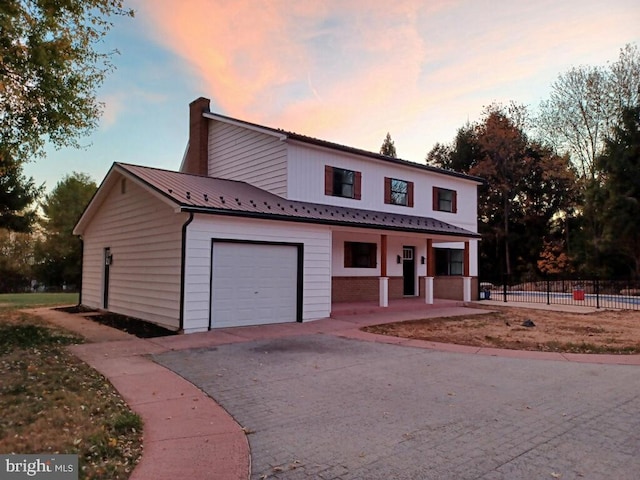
[350,71]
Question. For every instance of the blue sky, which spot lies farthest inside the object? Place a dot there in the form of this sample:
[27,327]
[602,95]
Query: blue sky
[342,70]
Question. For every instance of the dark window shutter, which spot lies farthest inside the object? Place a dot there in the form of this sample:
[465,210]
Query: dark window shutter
[348,254]
[357,186]
[436,205]
[454,202]
[409,194]
[387,190]
[328,180]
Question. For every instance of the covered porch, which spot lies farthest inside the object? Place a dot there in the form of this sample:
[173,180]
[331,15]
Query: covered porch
[401,270]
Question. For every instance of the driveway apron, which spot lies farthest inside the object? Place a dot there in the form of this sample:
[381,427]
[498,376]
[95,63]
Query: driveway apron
[320,406]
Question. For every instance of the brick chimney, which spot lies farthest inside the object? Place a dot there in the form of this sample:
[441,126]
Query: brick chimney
[197,156]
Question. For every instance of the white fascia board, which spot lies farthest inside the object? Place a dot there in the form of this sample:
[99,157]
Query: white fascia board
[256,128]
[184,157]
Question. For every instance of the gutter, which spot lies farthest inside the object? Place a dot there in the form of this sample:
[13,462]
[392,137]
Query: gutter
[320,221]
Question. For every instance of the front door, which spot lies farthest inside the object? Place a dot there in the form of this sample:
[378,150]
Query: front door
[105,285]
[409,270]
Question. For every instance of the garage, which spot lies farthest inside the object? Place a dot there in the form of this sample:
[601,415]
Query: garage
[255,283]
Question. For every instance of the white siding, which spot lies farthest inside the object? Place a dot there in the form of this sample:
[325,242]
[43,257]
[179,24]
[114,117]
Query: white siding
[144,236]
[395,242]
[238,153]
[317,262]
[306,182]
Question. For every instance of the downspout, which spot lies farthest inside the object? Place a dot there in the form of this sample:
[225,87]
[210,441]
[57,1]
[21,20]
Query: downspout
[183,268]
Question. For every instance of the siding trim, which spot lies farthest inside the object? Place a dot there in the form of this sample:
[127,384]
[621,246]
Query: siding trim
[410,194]
[81,269]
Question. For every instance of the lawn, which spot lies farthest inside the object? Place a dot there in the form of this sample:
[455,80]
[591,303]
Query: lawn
[606,331]
[26,300]
[51,402]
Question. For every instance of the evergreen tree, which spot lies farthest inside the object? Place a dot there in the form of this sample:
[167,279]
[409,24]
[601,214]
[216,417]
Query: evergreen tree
[17,197]
[388,148]
[58,255]
[620,167]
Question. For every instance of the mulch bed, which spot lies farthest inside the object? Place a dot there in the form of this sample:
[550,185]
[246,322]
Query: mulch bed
[134,326]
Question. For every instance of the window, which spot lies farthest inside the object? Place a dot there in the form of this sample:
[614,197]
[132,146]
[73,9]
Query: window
[359,255]
[340,182]
[343,182]
[449,261]
[398,192]
[445,200]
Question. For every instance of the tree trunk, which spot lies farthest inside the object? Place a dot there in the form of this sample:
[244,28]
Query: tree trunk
[506,235]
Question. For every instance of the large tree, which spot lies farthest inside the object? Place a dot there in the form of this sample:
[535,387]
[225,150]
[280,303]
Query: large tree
[620,167]
[58,254]
[528,186]
[585,105]
[502,162]
[51,66]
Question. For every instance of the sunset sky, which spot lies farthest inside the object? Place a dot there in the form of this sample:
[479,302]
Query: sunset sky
[347,71]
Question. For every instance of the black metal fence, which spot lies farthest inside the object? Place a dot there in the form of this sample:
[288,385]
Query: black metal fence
[590,292]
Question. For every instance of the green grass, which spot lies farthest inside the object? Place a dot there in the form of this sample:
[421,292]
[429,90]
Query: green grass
[31,336]
[26,300]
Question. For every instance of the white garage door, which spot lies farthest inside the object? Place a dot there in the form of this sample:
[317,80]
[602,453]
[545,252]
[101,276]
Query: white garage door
[253,284]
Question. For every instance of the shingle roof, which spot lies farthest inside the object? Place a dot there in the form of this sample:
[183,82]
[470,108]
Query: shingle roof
[193,193]
[343,148]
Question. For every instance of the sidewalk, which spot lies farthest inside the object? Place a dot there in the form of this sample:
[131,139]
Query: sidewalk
[186,433]
[556,307]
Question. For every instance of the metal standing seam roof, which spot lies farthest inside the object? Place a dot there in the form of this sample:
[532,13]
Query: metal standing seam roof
[194,193]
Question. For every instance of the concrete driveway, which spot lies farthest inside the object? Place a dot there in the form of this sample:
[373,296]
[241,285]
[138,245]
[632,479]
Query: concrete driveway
[325,407]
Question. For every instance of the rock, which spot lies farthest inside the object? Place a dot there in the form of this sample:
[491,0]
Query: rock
[528,323]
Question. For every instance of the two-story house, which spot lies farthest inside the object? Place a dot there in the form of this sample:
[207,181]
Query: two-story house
[267,226]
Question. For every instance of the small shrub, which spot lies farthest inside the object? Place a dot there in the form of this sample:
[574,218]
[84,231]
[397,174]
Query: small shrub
[127,422]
